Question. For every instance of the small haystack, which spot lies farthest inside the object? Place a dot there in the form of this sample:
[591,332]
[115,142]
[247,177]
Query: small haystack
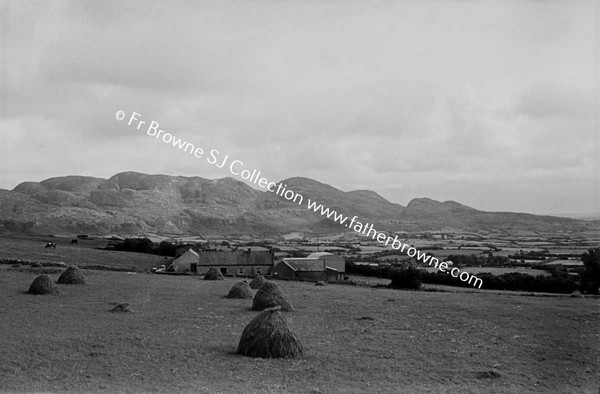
[71,276]
[43,285]
[124,307]
[268,335]
[270,296]
[240,290]
[258,282]
[213,274]
[577,294]
[319,283]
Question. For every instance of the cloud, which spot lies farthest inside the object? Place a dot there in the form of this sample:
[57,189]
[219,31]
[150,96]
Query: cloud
[391,96]
[551,100]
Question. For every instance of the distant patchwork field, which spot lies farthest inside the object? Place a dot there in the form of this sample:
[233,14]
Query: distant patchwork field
[496,271]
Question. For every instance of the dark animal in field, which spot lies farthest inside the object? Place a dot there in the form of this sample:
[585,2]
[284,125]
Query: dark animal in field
[73,241]
[50,245]
[124,307]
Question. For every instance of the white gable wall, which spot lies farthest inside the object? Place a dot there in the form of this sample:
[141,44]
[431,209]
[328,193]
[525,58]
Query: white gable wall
[183,262]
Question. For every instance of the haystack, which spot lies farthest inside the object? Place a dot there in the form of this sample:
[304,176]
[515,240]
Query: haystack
[577,294]
[71,276]
[258,282]
[43,285]
[319,283]
[213,274]
[268,335]
[270,296]
[241,290]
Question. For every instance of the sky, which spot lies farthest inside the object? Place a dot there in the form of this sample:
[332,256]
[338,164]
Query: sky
[489,103]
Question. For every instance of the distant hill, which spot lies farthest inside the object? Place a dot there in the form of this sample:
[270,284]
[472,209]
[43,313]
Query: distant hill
[131,203]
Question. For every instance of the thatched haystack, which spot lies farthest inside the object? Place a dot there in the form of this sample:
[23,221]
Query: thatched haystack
[42,284]
[270,296]
[258,282]
[71,276]
[577,294]
[268,335]
[124,307]
[241,290]
[213,274]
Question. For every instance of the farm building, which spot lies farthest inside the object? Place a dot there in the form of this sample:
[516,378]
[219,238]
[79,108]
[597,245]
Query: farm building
[246,262]
[317,266]
[187,262]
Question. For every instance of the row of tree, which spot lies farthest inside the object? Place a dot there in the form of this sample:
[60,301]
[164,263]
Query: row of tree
[144,245]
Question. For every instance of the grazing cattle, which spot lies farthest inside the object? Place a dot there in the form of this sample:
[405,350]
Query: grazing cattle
[73,241]
[50,245]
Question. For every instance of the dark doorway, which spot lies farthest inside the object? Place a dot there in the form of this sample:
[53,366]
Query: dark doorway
[194,268]
[224,271]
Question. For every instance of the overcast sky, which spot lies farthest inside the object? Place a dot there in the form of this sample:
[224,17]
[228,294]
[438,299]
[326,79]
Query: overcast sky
[490,104]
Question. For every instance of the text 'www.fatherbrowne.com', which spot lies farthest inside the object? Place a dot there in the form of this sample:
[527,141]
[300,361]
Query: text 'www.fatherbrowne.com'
[368,230]
[237,168]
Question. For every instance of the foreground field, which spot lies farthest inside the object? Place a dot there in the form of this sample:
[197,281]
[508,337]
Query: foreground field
[182,336]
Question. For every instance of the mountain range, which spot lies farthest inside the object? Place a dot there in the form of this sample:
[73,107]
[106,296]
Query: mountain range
[131,203]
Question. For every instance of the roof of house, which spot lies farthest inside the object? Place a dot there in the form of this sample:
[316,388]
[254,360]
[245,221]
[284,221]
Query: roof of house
[193,252]
[304,264]
[186,253]
[238,257]
[317,255]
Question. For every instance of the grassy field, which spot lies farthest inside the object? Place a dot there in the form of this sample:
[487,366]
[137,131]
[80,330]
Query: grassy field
[82,254]
[182,336]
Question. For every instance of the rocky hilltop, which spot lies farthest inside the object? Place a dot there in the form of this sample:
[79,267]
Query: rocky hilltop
[133,203]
